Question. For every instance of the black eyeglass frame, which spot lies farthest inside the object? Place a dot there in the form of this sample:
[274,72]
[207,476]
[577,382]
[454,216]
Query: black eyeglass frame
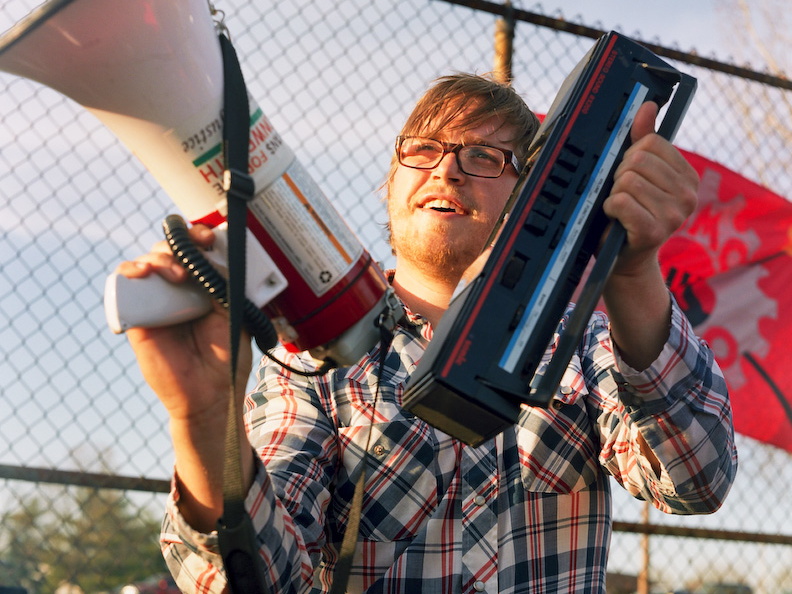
[509,157]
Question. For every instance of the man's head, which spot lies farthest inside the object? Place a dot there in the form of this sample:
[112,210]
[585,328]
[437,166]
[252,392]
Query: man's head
[441,213]
[461,101]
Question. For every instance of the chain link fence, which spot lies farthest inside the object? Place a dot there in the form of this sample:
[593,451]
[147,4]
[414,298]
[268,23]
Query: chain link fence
[85,456]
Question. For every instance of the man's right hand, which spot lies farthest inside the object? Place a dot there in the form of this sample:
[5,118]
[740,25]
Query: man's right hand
[187,366]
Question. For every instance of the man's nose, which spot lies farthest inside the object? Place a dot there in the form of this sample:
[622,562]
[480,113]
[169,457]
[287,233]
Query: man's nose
[448,168]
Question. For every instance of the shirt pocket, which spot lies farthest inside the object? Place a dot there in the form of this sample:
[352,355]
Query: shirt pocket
[402,477]
[557,446]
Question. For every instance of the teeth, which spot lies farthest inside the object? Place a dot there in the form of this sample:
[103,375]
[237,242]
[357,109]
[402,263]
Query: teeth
[441,204]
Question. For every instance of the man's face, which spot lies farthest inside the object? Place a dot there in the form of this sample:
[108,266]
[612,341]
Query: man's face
[441,218]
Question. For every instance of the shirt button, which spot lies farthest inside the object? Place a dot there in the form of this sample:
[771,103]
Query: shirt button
[479,586]
[379,450]
[479,500]
[566,389]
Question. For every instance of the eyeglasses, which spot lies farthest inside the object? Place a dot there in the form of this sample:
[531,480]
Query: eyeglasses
[473,159]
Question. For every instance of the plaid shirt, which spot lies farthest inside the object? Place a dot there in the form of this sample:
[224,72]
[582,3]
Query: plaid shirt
[527,511]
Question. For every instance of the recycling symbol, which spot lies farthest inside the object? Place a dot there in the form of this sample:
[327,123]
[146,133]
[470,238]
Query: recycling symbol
[325,276]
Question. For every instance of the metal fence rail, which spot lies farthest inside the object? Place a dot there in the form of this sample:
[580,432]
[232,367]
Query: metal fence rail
[85,456]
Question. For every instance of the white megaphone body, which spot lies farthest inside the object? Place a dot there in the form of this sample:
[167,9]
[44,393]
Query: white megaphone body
[152,72]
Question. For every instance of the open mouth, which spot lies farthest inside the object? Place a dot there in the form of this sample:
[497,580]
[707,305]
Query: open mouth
[443,206]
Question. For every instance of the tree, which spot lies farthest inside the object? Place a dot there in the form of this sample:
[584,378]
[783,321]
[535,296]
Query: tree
[759,34]
[24,530]
[97,541]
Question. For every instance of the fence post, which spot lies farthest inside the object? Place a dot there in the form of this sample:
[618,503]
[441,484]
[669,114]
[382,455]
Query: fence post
[643,575]
[504,45]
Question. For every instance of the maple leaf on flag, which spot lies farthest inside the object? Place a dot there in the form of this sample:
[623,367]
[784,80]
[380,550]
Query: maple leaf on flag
[730,268]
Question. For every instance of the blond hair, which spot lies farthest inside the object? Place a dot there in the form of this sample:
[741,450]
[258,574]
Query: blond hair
[465,101]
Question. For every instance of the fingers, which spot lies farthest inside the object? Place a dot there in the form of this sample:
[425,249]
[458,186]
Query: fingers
[654,189]
[160,259]
[154,262]
[202,235]
[644,121]
[657,163]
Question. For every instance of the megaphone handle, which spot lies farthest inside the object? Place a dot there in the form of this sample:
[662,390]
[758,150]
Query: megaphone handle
[151,302]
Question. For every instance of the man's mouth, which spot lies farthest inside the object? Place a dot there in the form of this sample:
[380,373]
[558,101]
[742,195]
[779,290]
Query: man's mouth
[443,206]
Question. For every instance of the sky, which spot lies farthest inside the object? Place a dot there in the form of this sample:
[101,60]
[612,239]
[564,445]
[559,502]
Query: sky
[698,24]
[705,26]
[691,24]
[701,25]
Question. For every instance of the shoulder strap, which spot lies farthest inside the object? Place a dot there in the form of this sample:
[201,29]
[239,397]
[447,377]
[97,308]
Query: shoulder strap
[236,536]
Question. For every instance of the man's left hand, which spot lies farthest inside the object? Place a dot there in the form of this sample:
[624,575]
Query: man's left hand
[654,191]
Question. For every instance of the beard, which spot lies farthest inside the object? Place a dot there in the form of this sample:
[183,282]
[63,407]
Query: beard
[434,251]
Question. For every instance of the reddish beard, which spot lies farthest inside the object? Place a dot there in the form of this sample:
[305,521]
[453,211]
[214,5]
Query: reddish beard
[445,260]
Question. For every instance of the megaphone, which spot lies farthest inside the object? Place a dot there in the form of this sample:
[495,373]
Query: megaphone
[151,71]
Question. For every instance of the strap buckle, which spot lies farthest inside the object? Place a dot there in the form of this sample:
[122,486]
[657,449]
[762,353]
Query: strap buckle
[238,184]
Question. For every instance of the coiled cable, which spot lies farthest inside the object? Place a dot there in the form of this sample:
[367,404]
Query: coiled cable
[206,275]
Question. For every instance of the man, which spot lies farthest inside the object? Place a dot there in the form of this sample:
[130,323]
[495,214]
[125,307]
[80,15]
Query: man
[527,511]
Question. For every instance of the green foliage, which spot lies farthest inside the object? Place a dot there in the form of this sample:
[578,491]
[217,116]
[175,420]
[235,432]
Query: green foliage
[92,538]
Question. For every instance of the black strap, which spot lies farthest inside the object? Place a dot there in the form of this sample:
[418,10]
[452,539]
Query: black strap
[236,536]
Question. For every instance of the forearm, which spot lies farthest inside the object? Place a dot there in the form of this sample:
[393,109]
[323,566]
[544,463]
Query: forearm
[199,447]
[639,308]
[292,449]
[194,557]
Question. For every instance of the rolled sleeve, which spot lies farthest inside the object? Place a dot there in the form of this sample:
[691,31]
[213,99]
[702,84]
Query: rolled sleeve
[680,405]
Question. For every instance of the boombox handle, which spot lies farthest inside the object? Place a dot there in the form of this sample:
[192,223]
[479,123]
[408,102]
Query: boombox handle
[609,251]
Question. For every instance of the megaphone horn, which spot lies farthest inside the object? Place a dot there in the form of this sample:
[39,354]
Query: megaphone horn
[152,72]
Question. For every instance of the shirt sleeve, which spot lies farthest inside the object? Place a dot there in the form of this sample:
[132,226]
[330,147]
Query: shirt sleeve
[680,408]
[296,458]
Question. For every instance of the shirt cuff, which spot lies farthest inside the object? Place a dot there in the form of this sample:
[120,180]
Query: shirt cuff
[206,543]
[670,375]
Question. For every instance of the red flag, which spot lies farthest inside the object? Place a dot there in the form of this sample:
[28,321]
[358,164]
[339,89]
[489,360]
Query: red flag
[730,268]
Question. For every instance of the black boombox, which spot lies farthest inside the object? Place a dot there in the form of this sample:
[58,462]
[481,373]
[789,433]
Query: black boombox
[480,367]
